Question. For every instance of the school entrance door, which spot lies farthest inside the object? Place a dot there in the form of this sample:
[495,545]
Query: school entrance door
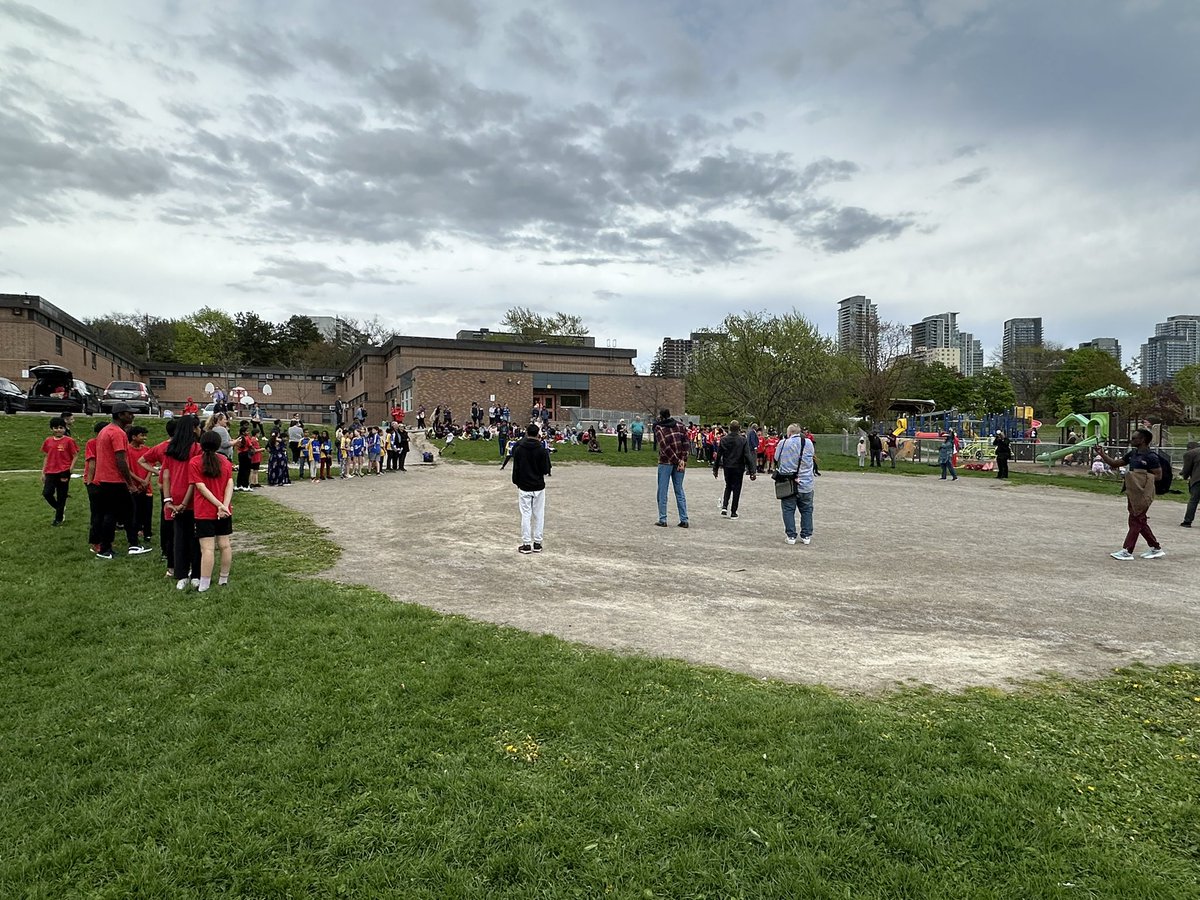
[547,401]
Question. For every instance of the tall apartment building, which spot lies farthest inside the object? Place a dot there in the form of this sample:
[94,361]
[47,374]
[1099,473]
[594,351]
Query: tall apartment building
[678,355]
[936,331]
[1020,333]
[970,354]
[1176,343]
[1108,345]
[857,321]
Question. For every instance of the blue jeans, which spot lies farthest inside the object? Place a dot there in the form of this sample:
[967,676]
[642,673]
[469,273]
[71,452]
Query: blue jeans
[949,467]
[788,505]
[667,473]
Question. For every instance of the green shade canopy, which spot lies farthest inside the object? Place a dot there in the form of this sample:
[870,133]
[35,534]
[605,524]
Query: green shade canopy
[1112,392]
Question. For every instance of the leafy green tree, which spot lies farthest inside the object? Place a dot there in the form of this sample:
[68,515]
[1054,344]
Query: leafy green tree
[207,337]
[1083,371]
[993,392]
[527,325]
[1187,384]
[257,339]
[294,337]
[136,335]
[944,386]
[773,369]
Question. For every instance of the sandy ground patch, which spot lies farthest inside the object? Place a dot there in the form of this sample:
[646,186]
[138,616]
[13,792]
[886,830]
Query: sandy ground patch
[908,580]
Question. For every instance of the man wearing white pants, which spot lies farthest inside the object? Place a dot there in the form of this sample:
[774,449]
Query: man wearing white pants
[530,466]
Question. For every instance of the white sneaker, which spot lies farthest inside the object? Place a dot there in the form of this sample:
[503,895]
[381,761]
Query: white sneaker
[1121,554]
[1154,553]
[806,540]
[790,540]
[138,551]
[195,582]
[181,584]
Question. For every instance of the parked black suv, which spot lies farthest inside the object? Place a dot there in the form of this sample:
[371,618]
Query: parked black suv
[135,393]
[56,390]
[12,398]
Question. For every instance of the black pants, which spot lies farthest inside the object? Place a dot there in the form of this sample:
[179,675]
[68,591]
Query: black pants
[876,458]
[243,475]
[55,492]
[401,458]
[733,489]
[143,514]
[187,548]
[166,535]
[295,448]
[393,460]
[95,512]
[622,443]
[116,505]
[1001,467]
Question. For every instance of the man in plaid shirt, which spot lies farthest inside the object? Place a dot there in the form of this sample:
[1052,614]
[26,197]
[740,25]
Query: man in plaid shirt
[671,438]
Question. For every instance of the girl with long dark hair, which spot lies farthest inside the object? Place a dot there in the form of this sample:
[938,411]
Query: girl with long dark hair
[212,497]
[177,488]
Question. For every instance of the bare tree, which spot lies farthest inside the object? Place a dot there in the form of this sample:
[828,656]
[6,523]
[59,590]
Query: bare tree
[884,366]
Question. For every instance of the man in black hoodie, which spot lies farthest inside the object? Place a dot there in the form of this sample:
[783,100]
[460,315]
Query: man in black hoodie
[736,458]
[531,465]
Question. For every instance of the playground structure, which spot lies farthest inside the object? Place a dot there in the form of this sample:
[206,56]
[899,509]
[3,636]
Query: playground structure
[1094,431]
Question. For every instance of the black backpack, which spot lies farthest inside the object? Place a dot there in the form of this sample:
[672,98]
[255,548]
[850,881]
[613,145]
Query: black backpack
[1163,485]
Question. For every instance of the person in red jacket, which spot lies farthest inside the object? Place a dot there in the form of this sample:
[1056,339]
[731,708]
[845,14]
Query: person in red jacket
[60,452]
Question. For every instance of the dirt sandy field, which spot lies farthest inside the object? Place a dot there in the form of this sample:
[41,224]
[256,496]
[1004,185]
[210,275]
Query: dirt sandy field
[908,580]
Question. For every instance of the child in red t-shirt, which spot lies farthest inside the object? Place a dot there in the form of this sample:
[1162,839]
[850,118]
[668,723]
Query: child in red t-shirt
[60,453]
[143,500]
[211,494]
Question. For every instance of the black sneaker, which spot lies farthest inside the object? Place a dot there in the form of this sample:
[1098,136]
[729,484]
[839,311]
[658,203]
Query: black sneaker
[537,548]
[104,555]
[56,523]
[734,516]
[524,548]
[661,524]
[683,524]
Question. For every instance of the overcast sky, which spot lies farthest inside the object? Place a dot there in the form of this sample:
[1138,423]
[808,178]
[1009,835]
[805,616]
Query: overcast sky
[650,166]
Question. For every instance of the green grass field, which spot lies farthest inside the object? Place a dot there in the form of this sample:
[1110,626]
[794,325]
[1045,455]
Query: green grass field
[285,736]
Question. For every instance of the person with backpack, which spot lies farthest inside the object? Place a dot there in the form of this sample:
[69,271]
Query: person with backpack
[1143,473]
[795,463]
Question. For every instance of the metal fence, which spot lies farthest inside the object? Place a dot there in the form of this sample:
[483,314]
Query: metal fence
[1022,451]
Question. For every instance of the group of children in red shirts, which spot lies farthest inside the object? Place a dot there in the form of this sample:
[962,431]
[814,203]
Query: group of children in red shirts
[706,439]
[195,483]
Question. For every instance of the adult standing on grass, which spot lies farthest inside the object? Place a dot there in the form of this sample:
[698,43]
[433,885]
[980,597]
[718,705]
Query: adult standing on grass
[1003,453]
[876,444]
[531,465]
[1191,473]
[295,436]
[671,439]
[892,443]
[635,431]
[796,461]
[218,423]
[116,483]
[735,458]
[1142,471]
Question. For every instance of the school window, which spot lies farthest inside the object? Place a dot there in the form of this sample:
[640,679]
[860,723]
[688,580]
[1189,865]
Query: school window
[158,384]
[570,400]
[328,387]
[58,344]
[93,360]
[513,365]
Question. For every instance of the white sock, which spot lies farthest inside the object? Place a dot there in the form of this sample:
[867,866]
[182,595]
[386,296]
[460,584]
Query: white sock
[224,579]
[205,583]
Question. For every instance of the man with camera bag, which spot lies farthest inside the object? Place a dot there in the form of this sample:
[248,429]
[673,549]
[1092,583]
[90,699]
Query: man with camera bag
[795,459]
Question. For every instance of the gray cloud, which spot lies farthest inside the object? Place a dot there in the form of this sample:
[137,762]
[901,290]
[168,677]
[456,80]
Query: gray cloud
[531,39]
[606,295]
[311,273]
[842,229]
[463,14]
[975,177]
[260,52]
[29,15]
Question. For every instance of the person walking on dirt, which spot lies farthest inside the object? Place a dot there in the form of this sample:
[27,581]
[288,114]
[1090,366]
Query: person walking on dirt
[795,461]
[734,457]
[1191,474]
[531,465]
[671,439]
[1003,453]
[946,458]
[1142,471]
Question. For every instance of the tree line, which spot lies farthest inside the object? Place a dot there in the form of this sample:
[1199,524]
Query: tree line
[780,368]
[211,337]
